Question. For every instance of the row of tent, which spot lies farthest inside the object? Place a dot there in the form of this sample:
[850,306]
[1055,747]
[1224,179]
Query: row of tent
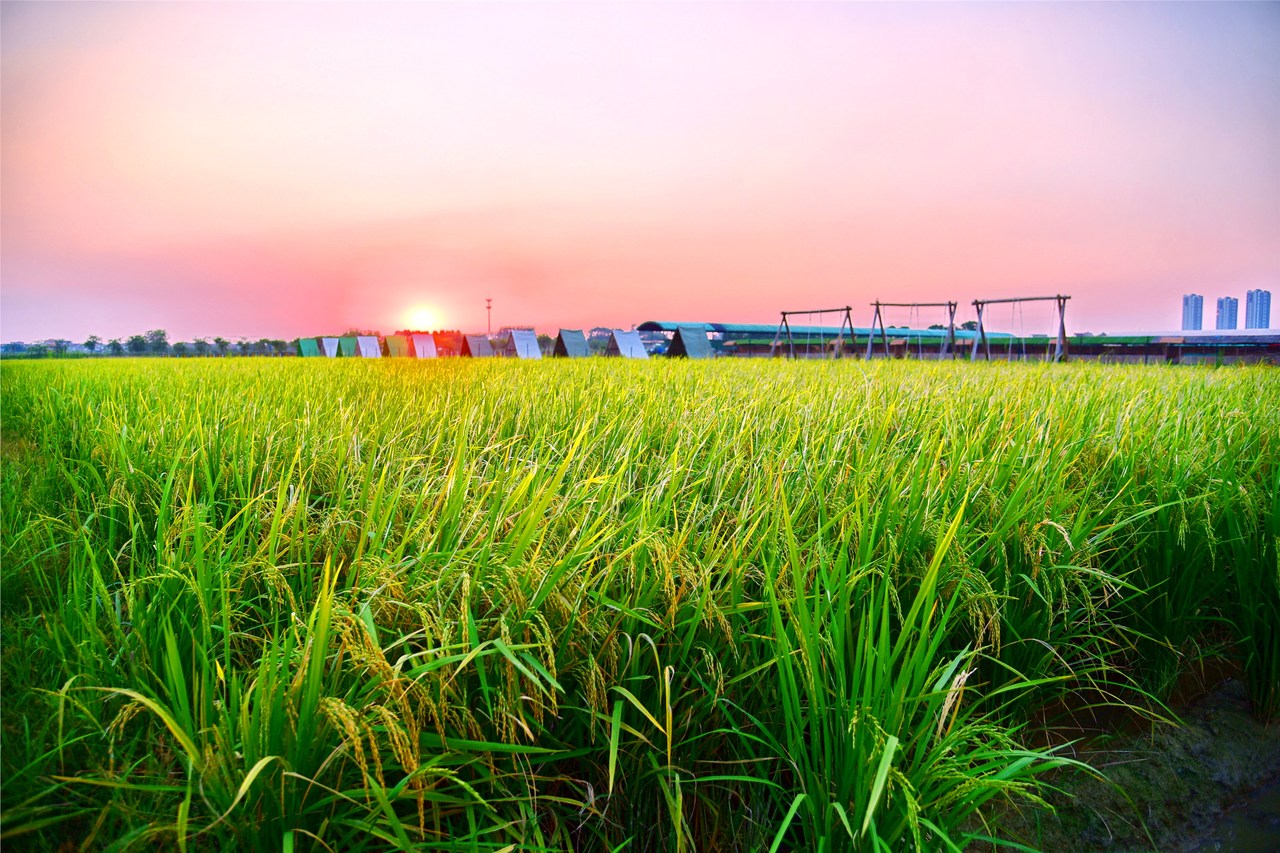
[518,343]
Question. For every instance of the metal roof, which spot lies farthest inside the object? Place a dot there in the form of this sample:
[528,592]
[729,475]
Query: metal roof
[758,331]
[739,330]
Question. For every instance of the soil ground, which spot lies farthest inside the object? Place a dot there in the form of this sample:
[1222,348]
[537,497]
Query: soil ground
[1206,784]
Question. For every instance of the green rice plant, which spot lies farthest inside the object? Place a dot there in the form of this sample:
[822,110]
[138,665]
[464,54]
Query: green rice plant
[345,605]
[870,704]
[1250,533]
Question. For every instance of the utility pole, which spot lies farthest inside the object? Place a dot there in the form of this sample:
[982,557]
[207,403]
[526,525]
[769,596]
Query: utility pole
[488,310]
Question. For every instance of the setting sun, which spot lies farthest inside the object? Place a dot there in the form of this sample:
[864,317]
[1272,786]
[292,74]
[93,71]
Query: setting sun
[423,318]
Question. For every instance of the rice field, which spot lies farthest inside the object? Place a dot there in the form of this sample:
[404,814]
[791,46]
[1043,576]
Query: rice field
[599,605]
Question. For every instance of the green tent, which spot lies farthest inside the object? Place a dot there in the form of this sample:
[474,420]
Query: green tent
[308,348]
[399,347]
[348,347]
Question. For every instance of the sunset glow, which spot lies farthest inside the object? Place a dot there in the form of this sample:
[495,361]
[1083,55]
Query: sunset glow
[423,318]
[286,169]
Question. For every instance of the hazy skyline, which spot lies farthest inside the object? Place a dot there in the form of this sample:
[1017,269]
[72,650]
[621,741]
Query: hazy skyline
[286,169]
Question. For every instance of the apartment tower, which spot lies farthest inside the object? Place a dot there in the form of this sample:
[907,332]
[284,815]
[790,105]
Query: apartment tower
[1257,309]
[1228,308]
[1192,311]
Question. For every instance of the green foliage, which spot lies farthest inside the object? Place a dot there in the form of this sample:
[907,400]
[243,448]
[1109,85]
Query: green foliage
[313,604]
[158,341]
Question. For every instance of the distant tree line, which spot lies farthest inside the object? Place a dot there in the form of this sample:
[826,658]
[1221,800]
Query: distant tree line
[155,342]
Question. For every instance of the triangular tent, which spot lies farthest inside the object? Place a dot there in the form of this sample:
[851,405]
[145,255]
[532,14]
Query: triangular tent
[369,348]
[330,347]
[690,342]
[308,348]
[399,346]
[348,347]
[424,346]
[570,343]
[522,343]
[476,346]
[626,344]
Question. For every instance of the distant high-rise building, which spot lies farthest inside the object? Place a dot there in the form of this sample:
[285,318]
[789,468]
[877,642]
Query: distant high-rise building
[1228,307]
[1257,309]
[1192,311]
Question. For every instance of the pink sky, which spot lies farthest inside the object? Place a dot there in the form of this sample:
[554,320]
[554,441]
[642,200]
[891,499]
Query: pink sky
[286,169]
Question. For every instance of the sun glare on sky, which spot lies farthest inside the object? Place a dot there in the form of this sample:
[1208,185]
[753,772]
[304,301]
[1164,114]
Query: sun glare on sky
[423,318]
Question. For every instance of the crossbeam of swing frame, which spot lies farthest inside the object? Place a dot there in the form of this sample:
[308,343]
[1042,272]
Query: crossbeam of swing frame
[884,334]
[785,324]
[1060,351]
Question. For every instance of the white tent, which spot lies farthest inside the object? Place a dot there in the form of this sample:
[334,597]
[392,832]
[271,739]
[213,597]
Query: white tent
[522,343]
[369,346]
[330,346]
[626,344]
[424,346]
